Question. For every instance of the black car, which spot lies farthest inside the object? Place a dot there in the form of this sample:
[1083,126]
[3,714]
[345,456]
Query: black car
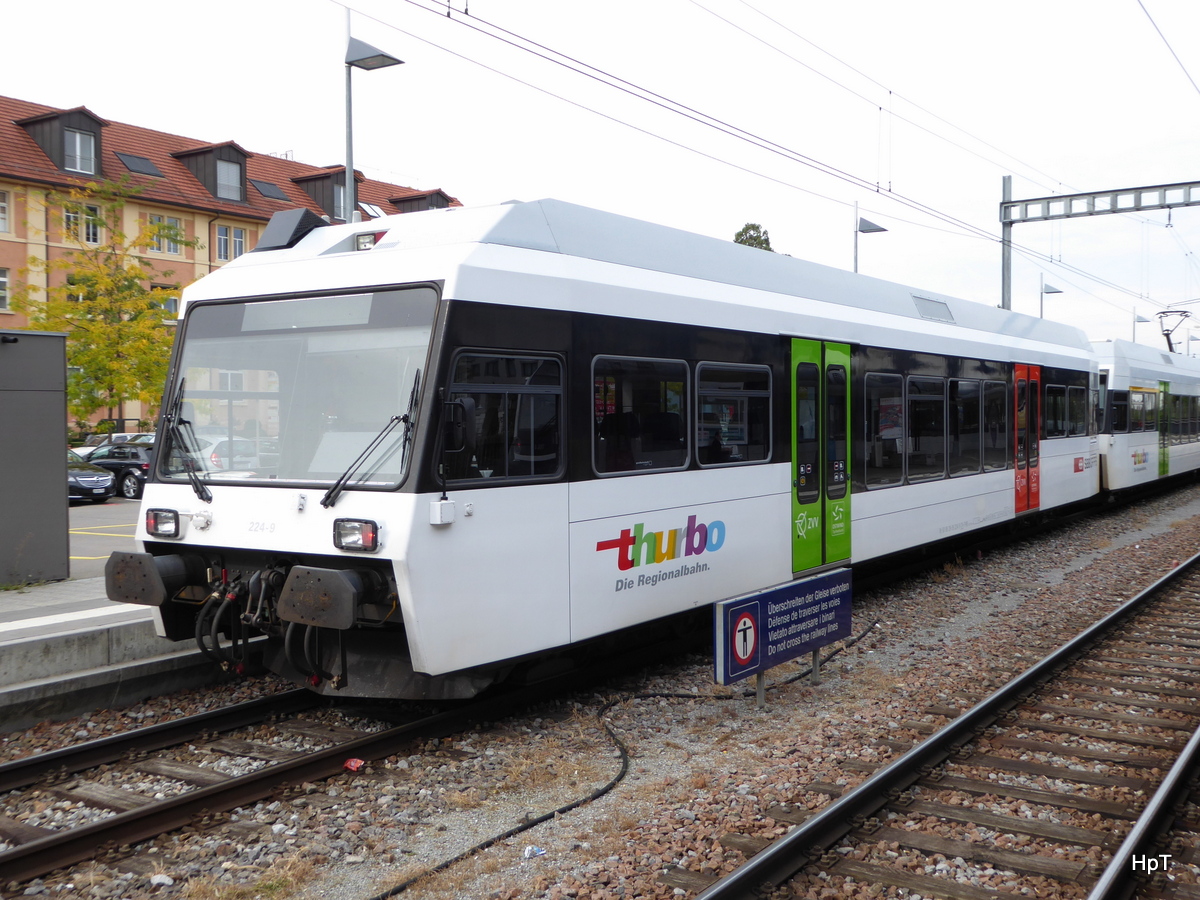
[129,463]
[88,482]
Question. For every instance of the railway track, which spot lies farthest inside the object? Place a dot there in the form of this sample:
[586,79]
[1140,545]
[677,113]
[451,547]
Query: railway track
[289,739]
[1035,787]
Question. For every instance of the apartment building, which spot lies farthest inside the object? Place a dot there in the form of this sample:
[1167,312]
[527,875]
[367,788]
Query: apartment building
[222,194]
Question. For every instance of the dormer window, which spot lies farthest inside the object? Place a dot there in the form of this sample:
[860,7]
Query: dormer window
[221,168]
[70,138]
[328,188]
[229,180]
[79,151]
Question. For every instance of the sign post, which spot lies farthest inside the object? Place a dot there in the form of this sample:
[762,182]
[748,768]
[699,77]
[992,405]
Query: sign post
[758,631]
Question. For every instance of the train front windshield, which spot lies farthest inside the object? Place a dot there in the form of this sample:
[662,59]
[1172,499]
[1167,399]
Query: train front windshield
[270,391]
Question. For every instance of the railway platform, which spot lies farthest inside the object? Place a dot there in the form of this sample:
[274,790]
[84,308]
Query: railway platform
[66,648]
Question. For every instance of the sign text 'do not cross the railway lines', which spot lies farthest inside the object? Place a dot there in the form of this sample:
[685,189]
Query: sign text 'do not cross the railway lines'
[761,630]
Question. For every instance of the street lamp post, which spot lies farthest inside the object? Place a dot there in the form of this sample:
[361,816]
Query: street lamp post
[1137,319]
[359,55]
[862,226]
[1045,289]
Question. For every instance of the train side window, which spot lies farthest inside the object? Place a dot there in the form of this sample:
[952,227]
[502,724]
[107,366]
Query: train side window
[518,415]
[966,443]
[1120,412]
[640,411]
[1192,416]
[1151,411]
[733,421]
[926,444]
[1055,419]
[1077,411]
[1137,411]
[995,426]
[883,463]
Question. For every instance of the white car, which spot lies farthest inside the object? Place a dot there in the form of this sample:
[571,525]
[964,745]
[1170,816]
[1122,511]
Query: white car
[95,441]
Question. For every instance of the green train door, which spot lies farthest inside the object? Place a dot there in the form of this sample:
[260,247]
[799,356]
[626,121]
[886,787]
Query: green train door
[1164,428]
[820,454]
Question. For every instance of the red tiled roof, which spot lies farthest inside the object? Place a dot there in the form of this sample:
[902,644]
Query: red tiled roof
[21,159]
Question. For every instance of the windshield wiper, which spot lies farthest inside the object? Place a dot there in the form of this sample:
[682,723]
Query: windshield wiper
[177,436]
[338,486]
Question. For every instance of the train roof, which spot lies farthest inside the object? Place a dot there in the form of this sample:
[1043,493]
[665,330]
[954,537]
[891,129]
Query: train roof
[572,231]
[1130,359]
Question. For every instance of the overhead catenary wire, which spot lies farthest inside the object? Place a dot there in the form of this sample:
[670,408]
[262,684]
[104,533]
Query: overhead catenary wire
[484,27]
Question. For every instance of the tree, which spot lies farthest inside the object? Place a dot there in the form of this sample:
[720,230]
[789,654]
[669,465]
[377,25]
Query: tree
[106,295]
[754,235]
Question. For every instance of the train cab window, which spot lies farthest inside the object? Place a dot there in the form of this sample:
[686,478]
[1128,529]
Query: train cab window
[1119,412]
[641,410]
[733,405]
[1077,411]
[518,415]
[965,423]
[995,426]
[926,444]
[1055,419]
[883,462]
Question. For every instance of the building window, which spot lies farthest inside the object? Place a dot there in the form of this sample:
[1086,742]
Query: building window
[4,289]
[84,228]
[230,381]
[3,210]
[339,202]
[159,240]
[231,242]
[229,180]
[79,151]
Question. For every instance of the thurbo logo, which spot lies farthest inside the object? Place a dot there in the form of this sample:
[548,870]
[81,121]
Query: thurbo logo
[806,523]
[638,547]
[1140,457]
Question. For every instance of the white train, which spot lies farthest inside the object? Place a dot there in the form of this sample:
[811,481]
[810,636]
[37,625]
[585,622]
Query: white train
[420,450]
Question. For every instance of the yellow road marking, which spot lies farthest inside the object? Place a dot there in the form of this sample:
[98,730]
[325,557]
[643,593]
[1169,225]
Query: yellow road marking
[122,525]
[89,557]
[104,533]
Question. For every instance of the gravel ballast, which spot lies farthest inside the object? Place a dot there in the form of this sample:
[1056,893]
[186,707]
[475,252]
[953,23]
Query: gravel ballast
[699,768]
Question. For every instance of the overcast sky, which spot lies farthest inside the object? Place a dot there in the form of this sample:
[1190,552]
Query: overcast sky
[918,105]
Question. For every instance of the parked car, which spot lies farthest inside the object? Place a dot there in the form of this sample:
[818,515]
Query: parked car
[129,462]
[88,482]
[95,441]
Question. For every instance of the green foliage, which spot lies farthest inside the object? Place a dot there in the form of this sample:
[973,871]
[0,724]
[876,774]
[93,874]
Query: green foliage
[754,235]
[100,291]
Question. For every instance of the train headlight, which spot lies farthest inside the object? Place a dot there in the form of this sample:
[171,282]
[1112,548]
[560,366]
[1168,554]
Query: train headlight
[162,523]
[360,535]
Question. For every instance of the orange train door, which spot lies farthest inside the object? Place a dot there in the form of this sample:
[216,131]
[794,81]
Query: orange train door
[1027,427]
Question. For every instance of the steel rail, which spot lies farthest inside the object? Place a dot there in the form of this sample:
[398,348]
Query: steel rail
[29,770]
[1119,881]
[69,847]
[783,859]
[76,845]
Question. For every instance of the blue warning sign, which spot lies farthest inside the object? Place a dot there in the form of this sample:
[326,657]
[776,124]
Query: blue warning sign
[761,630]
